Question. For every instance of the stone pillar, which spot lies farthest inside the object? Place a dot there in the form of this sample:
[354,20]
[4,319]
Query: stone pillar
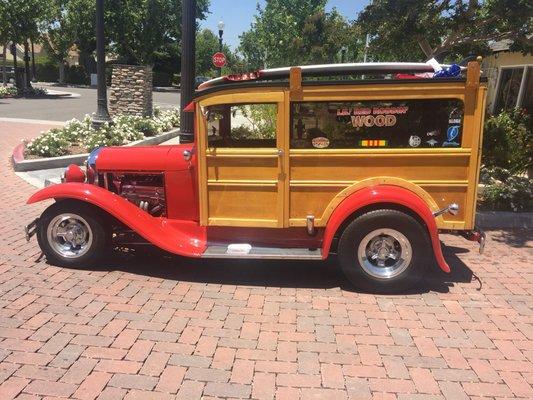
[131,90]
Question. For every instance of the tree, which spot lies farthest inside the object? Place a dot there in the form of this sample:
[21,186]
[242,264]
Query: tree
[143,31]
[59,38]
[404,30]
[26,19]
[81,18]
[292,32]
[207,44]
[5,36]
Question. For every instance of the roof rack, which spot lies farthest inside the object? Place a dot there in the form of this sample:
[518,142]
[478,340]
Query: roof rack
[324,70]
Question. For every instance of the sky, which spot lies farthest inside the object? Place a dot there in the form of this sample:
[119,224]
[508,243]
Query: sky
[238,15]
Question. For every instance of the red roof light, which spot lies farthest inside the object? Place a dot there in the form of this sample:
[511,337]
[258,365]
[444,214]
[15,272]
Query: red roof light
[246,76]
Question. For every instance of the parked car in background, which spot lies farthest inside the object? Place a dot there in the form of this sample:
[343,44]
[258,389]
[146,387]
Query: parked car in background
[199,80]
[10,74]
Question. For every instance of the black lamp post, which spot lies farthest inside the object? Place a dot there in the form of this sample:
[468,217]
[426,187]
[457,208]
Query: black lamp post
[220,33]
[102,114]
[188,39]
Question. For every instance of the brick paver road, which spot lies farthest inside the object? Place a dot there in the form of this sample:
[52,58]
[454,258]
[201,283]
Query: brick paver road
[153,326]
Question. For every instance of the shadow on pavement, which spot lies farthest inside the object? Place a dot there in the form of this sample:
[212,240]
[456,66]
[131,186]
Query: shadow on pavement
[152,262]
[513,238]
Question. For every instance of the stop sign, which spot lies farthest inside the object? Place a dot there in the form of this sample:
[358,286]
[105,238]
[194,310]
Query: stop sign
[219,59]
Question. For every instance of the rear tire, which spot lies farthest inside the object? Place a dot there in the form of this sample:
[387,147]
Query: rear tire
[384,250]
[73,234]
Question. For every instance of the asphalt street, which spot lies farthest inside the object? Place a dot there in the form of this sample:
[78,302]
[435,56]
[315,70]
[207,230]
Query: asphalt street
[63,109]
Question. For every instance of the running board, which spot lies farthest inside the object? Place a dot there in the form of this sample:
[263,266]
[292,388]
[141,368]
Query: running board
[272,253]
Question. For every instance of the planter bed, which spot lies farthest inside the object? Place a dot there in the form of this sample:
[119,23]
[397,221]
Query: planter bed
[504,220]
[21,164]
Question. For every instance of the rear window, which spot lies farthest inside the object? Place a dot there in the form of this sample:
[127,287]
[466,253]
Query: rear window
[377,124]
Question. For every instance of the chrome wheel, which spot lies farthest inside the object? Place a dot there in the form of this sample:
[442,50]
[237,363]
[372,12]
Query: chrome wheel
[69,235]
[384,253]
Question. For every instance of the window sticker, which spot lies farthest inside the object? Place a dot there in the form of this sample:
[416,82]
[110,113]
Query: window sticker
[455,116]
[451,135]
[320,142]
[373,143]
[414,141]
[372,116]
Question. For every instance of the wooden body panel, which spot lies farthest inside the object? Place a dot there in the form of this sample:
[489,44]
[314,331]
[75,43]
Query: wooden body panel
[317,177]
[264,188]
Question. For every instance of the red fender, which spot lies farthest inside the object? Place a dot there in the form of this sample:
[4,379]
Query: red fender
[185,238]
[384,194]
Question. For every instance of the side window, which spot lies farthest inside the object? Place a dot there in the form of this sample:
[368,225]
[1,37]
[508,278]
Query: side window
[376,124]
[242,125]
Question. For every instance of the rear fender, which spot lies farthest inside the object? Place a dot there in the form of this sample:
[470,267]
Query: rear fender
[384,194]
[185,238]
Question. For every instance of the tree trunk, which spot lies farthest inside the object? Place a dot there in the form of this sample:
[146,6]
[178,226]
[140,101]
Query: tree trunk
[4,65]
[27,80]
[32,62]
[61,72]
[17,80]
[426,47]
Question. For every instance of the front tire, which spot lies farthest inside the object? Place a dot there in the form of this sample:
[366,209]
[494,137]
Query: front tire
[72,234]
[384,250]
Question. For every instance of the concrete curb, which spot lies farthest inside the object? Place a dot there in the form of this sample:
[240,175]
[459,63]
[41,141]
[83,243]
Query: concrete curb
[22,165]
[504,220]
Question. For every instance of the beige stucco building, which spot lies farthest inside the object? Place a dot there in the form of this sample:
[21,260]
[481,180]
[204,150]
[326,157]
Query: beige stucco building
[510,76]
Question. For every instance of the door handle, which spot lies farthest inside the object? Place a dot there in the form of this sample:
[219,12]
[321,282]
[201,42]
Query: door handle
[187,155]
[280,152]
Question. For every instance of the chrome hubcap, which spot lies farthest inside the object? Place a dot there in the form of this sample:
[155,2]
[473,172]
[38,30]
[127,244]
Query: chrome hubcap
[69,235]
[384,253]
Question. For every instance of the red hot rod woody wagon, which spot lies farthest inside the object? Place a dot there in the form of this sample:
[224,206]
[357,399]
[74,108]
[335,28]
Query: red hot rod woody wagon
[281,167]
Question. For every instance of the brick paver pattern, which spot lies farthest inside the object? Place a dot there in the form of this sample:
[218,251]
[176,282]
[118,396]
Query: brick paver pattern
[151,326]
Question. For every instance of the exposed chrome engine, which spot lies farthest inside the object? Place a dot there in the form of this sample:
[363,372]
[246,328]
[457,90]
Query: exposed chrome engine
[147,191]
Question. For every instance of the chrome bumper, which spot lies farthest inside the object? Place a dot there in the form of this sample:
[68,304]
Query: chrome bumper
[476,235]
[31,229]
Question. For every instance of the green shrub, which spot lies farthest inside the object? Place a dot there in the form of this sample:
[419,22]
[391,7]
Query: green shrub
[76,75]
[504,191]
[161,78]
[47,72]
[508,141]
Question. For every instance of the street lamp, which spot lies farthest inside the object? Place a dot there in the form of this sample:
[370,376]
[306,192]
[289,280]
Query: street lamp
[220,33]
[102,114]
[188,32]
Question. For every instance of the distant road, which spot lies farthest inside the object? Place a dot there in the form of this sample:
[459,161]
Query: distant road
[62,109]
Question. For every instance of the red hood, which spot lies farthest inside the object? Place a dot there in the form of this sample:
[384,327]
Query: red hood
[142,158]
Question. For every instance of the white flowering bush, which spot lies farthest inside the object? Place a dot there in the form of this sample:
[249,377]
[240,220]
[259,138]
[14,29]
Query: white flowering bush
[504,191]
[50,144]
[122,130]
[75,130]
[7,91]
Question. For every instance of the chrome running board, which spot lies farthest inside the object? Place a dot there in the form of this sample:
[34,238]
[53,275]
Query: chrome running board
[273,253]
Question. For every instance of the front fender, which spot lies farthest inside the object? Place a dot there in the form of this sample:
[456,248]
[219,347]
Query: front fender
[384,194]
[185,238]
